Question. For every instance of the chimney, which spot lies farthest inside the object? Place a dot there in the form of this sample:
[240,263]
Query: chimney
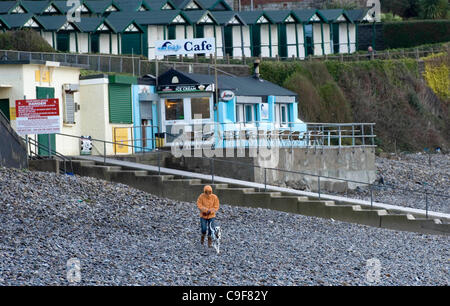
[256,68]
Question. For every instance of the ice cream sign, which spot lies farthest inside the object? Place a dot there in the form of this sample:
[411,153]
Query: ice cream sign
[185,46]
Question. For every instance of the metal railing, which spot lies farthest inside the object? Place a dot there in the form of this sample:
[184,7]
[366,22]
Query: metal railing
[149,143]
[259,133]
[108,63]
[426,194]
[138,65]
[51,153]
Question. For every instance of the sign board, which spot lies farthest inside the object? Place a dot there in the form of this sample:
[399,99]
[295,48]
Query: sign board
[226,95]
[39,116]
[185,46]
[186,88]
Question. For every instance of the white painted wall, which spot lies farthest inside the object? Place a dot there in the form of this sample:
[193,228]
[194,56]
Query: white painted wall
[154,33]
[291,40]
[247,44]
[179,32]
[274,39]
[73,42]
[327,38]
[114,44]
[209,30]
[317,39]
[104,43]
[265,40]
[237,41]
[301,41]
[83,42]
[48,38]
[343,38]
[352,33]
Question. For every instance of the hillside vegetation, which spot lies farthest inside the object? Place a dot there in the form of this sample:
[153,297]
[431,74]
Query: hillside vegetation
[24,40]
[411,111]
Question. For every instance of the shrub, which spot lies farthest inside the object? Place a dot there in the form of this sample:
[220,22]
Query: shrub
[413,33]
[24,40]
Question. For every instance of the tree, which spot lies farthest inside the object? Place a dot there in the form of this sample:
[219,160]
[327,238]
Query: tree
[341,4]
[403,8]
[433,9]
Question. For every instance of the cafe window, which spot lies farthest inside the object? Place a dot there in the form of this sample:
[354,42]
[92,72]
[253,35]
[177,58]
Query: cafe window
[281,114]
[245,113]
[174,109]
[201,106]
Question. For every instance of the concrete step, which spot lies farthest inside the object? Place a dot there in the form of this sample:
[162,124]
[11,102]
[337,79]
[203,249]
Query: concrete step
[188,189]
[257,199]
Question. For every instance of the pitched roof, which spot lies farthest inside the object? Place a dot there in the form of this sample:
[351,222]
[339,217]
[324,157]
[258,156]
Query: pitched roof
[15,21]
[335,14]
[359,15]
[252,17]
[159,4]
[7,6]
[120,22]
[306,15]
[132,5]
[241,86]
[213,5]
[100,6]
[55,23]
[91,24]
[183,4]
[197,16]
[62,5]
[280,16]
[162,17]
[225,17]
[36,7]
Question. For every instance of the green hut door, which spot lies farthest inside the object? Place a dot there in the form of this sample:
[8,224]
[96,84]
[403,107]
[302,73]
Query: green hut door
[228,34]
[63,41]
[256,40]
[282,44]
[47,140]
[131,43]
[335,33]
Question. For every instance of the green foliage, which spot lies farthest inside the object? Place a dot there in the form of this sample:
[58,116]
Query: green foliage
[433,9]
[341,4]
[24,40]
[402,8]
[390,93]
[413,33]
[389,17]
[424,9]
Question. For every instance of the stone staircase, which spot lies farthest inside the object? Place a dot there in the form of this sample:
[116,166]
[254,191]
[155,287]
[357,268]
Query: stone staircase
[188,189]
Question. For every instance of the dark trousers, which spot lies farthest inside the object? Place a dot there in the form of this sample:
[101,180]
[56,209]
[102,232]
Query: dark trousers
[206,224]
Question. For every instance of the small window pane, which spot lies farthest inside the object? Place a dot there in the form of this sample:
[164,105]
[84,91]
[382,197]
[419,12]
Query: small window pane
[248,113]
[239,113]
[200,106]
[283,114]
[174,109]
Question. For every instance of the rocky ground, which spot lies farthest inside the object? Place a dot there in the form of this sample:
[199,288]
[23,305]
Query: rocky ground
[123,236]
[404,173]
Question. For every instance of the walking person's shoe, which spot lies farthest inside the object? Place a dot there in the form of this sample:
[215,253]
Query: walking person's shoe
[209,241]
[202,240]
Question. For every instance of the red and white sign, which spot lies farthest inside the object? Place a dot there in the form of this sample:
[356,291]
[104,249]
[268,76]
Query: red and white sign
[39,116]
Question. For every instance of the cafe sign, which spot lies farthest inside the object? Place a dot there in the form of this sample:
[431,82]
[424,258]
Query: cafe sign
[186,88]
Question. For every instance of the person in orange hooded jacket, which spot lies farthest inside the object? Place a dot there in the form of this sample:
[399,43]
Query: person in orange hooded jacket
[208,204]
